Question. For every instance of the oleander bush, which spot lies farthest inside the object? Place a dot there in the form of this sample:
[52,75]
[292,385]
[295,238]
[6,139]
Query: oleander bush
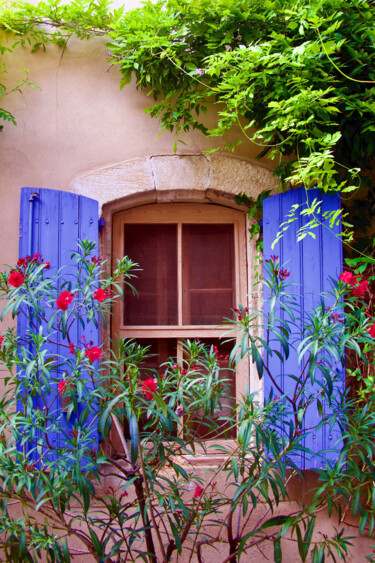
[144,501]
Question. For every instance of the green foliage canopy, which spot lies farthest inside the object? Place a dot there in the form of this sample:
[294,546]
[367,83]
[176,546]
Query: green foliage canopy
[297,76]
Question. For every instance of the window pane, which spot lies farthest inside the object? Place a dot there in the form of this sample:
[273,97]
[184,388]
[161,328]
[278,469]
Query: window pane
[154,248]
[160,351]
[201,424]
[208,273]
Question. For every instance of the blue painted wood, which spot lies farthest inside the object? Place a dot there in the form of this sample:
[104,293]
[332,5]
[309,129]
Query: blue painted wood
[311,262]
[59,219]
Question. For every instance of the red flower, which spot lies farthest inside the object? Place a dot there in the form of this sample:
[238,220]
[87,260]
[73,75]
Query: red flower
[47,265]
[22,263]
[100,295]
[361,289]
[149,386]
[96,260]
[273,258]
[198,491]
[349,277]
[371,330]
[72,348]
[62,387]
[1,339]
[93,353]
[63,300]
[15,278]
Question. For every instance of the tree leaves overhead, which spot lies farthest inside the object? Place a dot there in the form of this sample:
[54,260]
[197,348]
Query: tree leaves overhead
[298,77]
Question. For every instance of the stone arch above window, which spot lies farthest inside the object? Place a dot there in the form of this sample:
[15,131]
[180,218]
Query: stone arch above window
[194,175]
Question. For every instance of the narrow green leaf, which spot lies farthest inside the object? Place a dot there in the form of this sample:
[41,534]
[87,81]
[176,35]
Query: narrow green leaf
[277,553]
[134,438]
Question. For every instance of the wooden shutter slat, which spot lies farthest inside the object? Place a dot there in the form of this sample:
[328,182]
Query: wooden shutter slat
[59,219]
[311,262]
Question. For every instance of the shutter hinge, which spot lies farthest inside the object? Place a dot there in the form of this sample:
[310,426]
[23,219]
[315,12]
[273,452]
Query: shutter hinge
[102,223]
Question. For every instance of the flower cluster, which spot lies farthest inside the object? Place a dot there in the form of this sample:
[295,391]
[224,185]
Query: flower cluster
[282,274]
[336,318]
[241,313]
[359,287]
[278,272]
[64,299]
[17,276]
[184,371]
[149,387]
[102,294]
[198,491]
[64,386]
[96,260]
[273,258]
[91,352]
[34,259]
[218,355]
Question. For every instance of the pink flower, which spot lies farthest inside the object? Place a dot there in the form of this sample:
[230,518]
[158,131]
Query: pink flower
[100,295]
[149,387]
[1,339]
[361,289]
[62,387]
[273,258]
[349,277]
[63,300]
[198,491]
[371,330]
[93,353]
[16,279]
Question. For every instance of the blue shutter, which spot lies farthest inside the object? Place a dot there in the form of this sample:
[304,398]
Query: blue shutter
[311,263]
[51,222]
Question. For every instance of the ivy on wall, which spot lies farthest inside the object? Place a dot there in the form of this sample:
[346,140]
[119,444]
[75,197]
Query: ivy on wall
[297,77]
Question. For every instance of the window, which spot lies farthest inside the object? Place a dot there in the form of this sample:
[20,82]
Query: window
[193,260]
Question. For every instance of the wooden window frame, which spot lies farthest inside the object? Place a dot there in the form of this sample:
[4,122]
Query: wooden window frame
[184,213]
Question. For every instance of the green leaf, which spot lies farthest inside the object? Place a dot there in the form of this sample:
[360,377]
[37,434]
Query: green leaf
[277,553]
[134,438]
[275,521]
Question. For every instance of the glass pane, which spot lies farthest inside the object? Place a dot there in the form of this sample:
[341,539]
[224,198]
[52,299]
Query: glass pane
[160,350]
[208,273]
[201,425]
[154,248]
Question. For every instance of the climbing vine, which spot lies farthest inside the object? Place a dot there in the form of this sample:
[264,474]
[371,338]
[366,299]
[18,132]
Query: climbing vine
[297,77]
